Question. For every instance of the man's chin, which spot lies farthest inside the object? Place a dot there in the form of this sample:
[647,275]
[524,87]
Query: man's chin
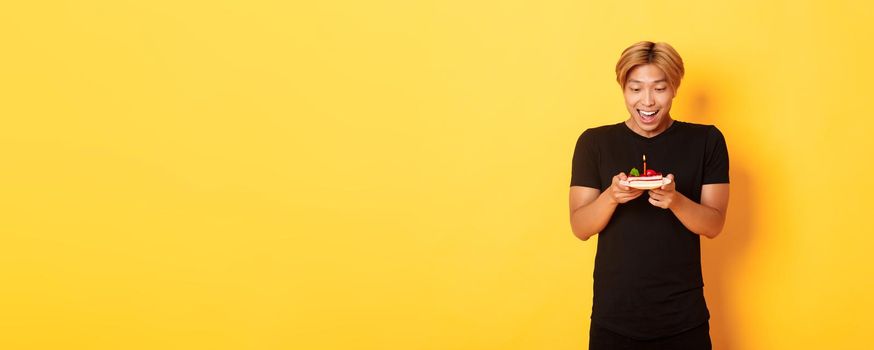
[647,126]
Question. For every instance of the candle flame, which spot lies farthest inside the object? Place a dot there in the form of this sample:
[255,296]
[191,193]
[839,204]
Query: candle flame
[644,157]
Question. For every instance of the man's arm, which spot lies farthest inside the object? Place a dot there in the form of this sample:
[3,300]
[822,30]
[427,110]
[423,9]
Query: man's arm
[706,219]
[590,209]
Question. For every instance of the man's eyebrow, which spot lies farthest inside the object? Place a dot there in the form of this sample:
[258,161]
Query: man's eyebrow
[638,81]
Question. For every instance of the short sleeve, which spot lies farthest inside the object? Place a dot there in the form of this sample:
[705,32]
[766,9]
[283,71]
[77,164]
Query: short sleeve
[584,170]
[716,158]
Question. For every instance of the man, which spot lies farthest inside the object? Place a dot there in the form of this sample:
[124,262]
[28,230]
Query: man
[648,290]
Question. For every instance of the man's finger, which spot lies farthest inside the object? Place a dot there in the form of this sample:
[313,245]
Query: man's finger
[670,185]
[627,189]
[629,194]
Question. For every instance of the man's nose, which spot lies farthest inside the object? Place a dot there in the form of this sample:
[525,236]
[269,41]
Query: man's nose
[647,99]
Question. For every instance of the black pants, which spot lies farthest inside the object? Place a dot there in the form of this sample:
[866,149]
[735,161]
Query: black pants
[697,338]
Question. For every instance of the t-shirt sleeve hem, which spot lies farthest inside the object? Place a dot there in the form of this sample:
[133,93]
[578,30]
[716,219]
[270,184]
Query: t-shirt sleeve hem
[715,182]
[595,186]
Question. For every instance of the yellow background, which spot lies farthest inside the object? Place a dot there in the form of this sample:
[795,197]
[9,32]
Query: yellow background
[394,174]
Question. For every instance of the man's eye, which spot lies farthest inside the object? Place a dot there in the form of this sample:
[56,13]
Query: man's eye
[635,90]
[660,89]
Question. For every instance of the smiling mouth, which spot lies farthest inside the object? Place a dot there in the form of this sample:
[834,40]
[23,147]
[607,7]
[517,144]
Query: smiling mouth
[647,116]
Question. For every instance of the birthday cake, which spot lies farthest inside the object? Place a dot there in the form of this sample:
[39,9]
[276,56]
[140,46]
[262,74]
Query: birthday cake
[650,178]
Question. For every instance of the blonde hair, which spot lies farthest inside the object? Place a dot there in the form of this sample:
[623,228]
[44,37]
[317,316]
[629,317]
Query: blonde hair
[661,55]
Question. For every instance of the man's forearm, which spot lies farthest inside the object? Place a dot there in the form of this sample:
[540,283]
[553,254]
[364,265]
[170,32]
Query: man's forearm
[698,218]
[591,218]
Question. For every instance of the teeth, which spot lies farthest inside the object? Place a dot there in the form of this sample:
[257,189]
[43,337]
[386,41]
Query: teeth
[647,113]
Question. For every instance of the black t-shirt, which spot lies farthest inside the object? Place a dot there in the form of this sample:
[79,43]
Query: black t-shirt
[648,281]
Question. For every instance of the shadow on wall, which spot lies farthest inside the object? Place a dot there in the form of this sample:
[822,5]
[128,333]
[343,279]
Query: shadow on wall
[720,257]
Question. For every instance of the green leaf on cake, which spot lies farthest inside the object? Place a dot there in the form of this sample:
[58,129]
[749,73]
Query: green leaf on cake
[634,172]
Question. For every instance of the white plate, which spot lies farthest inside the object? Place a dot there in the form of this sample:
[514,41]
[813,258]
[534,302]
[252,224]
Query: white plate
[646,185]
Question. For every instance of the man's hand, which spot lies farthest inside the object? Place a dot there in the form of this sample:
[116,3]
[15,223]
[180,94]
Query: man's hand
[622,194]
[665,197]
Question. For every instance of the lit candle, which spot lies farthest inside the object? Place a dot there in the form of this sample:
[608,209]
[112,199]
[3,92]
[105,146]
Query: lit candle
[644,165]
